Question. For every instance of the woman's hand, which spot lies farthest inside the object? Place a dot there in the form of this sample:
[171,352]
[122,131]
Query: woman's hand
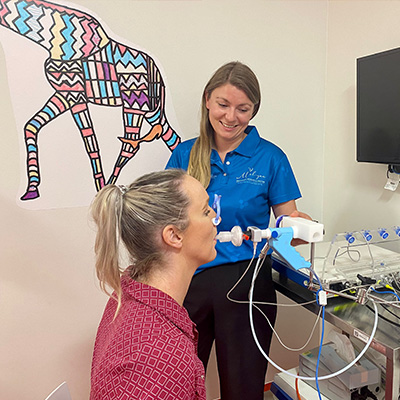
[299,214]
[289,208]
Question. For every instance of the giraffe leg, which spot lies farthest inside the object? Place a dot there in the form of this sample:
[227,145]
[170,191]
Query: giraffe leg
[155,133]
[82,119]
[157,118]
[133,120]
[55,106]
[132,139]
[168,135]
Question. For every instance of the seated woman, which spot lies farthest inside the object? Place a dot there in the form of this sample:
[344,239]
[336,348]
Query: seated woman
[146,344]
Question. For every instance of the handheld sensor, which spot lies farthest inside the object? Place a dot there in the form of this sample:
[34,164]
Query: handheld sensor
[279,239]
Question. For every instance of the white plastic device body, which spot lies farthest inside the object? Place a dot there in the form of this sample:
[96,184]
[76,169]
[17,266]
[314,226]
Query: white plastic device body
[309,231]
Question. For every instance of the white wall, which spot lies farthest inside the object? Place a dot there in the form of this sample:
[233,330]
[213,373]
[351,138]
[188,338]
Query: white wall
[353,194]
[304,55]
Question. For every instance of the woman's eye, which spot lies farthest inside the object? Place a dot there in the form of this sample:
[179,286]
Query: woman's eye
[207,212]
[222,105]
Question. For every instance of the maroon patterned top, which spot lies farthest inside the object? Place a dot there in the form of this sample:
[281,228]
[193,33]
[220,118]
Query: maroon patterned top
[149,351]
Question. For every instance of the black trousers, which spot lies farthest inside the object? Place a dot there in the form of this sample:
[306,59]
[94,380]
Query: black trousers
[241,366]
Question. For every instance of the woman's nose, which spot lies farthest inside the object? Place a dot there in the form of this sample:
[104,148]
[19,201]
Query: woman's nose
[230,114]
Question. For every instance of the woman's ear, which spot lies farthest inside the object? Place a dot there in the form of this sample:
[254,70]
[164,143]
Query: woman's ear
[172,236]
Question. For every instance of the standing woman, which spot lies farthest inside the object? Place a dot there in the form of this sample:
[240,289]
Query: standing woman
[253,176]
[146,344]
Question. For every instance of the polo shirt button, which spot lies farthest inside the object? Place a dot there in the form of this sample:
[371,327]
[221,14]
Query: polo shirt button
[224,174]
[228,163]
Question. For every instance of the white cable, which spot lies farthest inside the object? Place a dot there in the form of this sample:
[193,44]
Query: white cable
[305,378]
[265,303]
[237,283]
[273,304]
[280,340]
[375,300]
[258,268]
[395,280]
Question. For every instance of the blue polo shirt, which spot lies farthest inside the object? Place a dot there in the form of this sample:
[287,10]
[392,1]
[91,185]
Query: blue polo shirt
[253,177]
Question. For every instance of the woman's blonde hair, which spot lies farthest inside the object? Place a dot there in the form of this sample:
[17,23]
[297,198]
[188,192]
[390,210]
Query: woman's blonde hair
[136,215]
[243,78]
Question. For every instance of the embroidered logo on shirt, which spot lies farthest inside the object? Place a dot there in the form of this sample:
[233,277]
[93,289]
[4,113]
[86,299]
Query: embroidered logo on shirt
[251,176]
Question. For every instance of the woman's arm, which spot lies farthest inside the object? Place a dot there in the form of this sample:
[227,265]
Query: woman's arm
[289,208]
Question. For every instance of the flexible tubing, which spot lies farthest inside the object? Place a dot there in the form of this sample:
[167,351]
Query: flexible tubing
[304,378]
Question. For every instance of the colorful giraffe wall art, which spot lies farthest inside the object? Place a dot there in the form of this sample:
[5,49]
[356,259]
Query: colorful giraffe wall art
[86,66]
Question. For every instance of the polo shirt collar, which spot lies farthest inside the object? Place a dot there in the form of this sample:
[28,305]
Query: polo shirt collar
[249,143]
[246,148]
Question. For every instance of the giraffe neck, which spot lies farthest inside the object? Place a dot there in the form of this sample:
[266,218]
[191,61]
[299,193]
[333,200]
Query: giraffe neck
[66,33]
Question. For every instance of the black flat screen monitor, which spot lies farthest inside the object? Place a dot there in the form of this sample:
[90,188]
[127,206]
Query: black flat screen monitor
[378,108]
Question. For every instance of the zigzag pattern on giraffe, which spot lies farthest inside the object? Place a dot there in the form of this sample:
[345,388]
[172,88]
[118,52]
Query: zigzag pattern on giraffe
[86,66]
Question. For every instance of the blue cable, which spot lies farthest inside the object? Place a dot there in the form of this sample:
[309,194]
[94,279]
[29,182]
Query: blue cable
[316,276]
[322,331]
[388,292]
[279,219]
[320,351]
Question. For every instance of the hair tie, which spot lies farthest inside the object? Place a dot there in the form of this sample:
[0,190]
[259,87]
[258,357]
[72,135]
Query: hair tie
[122,188]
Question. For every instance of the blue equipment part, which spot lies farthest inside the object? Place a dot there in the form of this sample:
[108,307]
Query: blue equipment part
[280,242]
[217,207]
